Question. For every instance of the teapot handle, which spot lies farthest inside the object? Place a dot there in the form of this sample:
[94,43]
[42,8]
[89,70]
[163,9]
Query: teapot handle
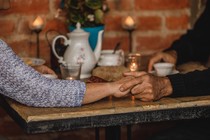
[60,58]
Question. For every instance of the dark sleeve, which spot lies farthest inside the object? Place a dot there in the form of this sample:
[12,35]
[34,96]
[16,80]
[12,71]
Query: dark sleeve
[195,83]
[195,44]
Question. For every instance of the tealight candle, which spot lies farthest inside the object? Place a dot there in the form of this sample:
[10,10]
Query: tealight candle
[133,65]
[132,61]
[38,23]
[70,78]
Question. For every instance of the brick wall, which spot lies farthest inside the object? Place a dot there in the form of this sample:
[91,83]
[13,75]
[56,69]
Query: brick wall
[159,22]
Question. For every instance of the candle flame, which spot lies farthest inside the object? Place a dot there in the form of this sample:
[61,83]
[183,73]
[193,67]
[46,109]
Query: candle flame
[133,66]
[129,21]
[38,23]
[70,78]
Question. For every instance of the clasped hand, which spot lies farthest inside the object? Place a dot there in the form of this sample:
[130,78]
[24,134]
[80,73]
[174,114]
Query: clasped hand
[145,86]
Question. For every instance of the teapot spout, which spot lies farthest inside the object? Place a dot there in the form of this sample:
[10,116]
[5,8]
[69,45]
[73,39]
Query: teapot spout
[97,50]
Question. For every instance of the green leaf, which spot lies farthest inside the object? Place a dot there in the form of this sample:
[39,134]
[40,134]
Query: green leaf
[99,15]
[93,4]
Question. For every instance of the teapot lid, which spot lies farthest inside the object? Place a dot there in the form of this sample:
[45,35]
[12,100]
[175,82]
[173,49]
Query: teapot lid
[78,29]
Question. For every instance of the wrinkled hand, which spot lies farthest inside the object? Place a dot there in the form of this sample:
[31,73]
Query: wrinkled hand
[169,56]
[115,87]
[147,87]
[44,69]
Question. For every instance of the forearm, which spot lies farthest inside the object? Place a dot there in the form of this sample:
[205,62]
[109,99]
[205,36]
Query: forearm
[97,91]
[166,87]
[25,85]
[191,84]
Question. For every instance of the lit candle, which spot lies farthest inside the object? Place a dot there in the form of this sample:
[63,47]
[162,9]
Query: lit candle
[133,66]
[129,23]
[38,23]
[132,61]
[70,78]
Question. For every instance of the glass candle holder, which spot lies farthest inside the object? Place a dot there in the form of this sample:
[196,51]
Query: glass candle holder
[133,61]
[70,71]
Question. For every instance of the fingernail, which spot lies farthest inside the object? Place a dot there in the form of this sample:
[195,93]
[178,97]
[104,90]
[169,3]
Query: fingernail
[121,89]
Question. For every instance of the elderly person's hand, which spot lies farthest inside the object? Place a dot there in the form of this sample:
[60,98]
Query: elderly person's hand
[169,56]
[44,69]
[147,87]
[115,86]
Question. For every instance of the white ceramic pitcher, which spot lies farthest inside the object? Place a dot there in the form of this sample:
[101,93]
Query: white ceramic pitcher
[79,50]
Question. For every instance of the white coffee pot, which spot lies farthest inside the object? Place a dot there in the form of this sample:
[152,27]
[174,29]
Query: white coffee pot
[79,50]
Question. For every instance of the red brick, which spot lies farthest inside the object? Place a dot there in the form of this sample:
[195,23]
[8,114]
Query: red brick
[27,48]
[155,43]
[110,42]
[149,23]
[120,6]
[56,25]
[28,7]
[113,23]
[161,4]
[22,47]
[168,40]
[45,52]
[149,43]
[7,27]
[177,22]
[23,27]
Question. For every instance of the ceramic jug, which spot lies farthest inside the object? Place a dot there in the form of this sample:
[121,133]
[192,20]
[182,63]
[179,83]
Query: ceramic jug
[79,50]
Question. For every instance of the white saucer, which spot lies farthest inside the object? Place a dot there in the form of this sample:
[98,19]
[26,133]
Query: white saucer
[50,76]
[107,64]
[33,61]
[173,72]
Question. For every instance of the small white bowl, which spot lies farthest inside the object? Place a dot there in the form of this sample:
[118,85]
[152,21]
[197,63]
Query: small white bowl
[163,68]
[107,58]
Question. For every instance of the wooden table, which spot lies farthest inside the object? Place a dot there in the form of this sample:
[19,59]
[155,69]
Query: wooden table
[108,112]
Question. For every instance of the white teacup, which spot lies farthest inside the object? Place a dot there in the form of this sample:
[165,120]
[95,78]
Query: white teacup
[107,58]
[163,68]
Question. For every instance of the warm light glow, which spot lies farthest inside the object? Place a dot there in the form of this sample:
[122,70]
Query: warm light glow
[38,23]
[133,66]
[132,98]
[70,78]
[129,23]
[133,61]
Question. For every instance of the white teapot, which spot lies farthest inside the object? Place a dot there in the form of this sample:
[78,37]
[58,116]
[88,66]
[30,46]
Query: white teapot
[79,50]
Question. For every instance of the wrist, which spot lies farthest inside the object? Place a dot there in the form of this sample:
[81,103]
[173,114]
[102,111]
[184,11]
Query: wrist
[173,54]
[167,87]
[110,88]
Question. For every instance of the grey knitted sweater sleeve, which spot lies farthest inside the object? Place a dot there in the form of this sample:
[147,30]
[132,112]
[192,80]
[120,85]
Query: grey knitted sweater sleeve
[25,85]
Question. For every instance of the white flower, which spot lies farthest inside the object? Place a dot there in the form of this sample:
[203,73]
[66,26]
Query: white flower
[91,17]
